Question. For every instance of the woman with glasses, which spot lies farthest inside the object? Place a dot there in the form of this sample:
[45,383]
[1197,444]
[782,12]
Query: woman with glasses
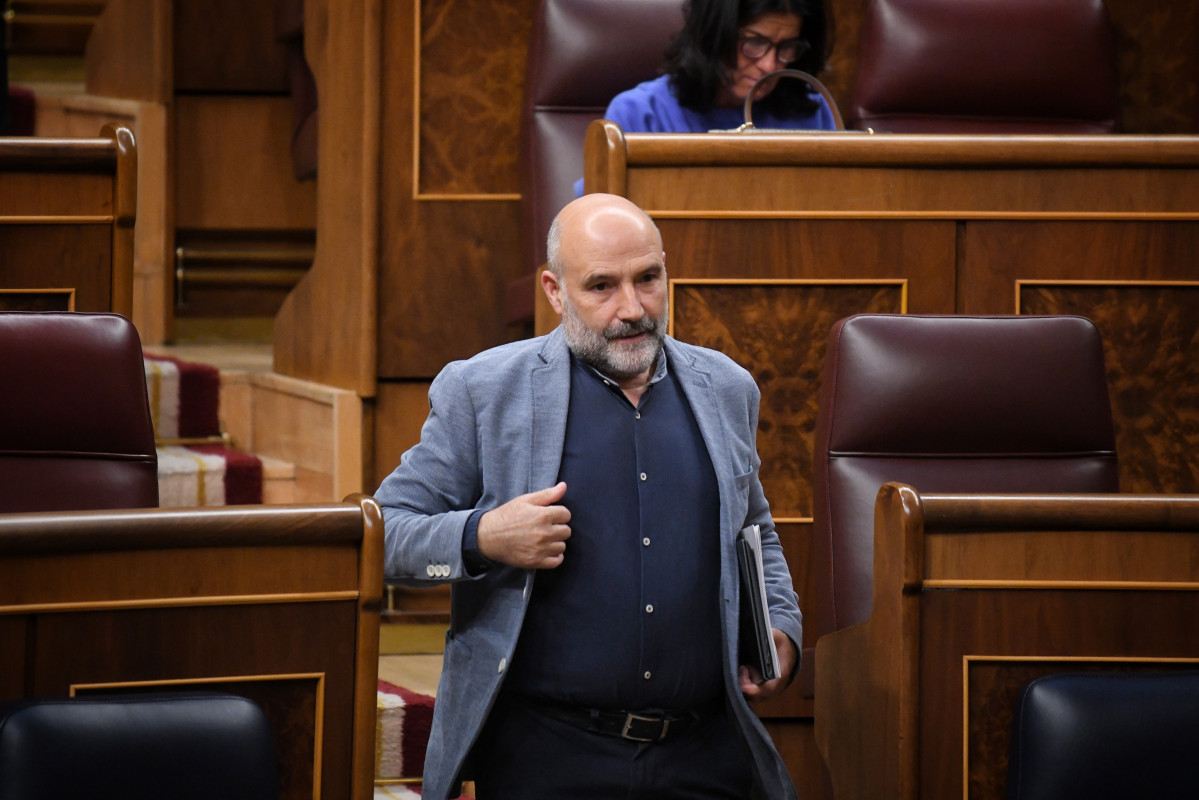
[725,46]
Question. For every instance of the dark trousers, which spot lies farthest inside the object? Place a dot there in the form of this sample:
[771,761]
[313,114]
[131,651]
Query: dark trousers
[525,755]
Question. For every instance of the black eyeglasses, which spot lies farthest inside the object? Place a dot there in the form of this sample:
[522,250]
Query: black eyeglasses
[753,47]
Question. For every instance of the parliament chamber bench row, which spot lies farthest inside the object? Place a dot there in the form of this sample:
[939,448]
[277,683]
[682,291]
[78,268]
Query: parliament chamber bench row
[970,597]
[974,597]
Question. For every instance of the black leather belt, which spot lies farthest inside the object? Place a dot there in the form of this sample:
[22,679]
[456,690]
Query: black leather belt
[635,726]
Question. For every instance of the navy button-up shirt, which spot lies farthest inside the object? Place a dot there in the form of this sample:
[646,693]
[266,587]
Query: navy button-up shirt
[631,618]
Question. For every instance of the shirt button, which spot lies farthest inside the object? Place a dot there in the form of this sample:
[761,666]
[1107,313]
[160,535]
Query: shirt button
[503,663]
[643,476]
[636,415]
[649,609]
[645,541]
[647,675]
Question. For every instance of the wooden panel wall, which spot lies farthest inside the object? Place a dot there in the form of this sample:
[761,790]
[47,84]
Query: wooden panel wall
[420,136]
[983,655]
[210,84]
[153,241]
[449,234]
[326,329]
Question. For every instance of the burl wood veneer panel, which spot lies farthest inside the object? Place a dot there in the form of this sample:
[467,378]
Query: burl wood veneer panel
[778,332]
[1147,329]
[449,239]
[1157,65]
[472,65]
[1151,349]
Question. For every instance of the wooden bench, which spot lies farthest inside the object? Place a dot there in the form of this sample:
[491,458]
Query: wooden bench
[276,603]
[975,595]
[67,209]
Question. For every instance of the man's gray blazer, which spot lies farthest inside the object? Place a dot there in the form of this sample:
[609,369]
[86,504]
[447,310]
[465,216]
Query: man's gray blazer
[495,430]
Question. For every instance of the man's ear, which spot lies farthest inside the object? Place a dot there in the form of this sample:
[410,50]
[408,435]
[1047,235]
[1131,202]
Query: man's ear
[553,289]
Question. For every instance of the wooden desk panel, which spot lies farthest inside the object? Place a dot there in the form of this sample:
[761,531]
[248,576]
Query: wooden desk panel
[277,603]
[983,645]
[974,594]
[74,258]
[67,209]
[966,221]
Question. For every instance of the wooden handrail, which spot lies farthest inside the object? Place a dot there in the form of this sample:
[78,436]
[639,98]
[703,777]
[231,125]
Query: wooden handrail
[833,148]
[1061,512]
[70,155]
[132,529]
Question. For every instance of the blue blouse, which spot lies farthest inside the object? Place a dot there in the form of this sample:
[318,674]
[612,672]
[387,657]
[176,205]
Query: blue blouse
[651,107]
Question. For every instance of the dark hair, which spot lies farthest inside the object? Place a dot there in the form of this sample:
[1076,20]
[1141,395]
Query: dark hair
[698,59]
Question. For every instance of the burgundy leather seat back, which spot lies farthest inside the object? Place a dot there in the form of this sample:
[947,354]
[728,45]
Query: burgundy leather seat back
[948,404]
[75,426]
[582,53]
[985,66]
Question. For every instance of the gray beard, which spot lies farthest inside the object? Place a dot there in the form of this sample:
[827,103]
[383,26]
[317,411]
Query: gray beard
[618,361]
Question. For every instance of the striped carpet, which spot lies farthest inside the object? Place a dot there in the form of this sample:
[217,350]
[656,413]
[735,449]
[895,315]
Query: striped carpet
[195,467]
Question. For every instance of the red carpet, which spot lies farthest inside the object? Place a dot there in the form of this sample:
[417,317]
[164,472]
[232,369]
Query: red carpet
[185,405]
[402,728]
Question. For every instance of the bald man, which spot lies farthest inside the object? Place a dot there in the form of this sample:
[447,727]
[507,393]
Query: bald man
[583,492]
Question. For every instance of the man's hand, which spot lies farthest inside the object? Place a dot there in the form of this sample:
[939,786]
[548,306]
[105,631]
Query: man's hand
[752,685]
[529,531]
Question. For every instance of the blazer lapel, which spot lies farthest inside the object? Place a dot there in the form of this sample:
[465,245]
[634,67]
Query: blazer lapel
[697,386]
[550,401]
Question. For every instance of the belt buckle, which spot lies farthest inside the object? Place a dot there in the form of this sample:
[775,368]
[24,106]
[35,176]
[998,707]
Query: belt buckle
[629,719]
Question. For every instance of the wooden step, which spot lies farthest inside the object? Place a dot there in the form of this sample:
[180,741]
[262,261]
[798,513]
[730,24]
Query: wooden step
[309,431]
